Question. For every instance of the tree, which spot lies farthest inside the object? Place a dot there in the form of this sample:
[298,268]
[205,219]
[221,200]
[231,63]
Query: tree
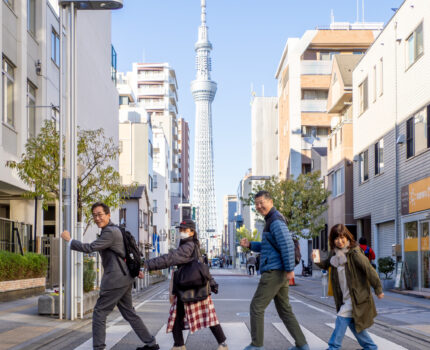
[243,232]
[99,181]
[301,201]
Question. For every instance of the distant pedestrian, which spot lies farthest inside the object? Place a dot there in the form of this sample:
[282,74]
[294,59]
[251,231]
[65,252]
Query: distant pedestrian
[368,251]
[351,277]
[277,268]
[199,314]
[251,263]
[116,284]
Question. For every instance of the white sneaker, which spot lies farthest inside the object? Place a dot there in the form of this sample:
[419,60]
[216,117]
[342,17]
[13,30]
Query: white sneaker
[222,347]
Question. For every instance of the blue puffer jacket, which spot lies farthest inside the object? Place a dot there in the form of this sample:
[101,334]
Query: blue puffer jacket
[277,232]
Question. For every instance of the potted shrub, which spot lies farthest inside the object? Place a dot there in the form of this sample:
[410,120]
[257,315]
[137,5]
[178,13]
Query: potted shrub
[386,266]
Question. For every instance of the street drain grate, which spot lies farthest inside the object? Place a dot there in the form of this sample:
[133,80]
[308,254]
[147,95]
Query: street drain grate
[242,314]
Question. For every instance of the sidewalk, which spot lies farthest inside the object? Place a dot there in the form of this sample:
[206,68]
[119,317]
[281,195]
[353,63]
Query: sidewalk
[230,271]
[401,312]
[20,323]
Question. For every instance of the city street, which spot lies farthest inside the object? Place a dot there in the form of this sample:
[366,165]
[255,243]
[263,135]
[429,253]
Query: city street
[403,322]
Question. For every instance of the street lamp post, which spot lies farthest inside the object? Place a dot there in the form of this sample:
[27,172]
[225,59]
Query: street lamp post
[70,182]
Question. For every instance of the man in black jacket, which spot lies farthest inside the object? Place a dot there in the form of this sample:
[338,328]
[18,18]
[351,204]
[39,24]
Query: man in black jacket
[116,284]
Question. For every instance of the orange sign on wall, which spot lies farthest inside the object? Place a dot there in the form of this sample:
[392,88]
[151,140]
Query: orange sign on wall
[416,196]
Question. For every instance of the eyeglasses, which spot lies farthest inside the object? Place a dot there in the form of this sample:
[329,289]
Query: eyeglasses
[99,215]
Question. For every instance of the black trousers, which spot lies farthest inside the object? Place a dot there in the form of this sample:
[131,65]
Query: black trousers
[178,337]
[253,269]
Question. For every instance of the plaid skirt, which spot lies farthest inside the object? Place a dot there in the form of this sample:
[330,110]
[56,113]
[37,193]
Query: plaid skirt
[200,314]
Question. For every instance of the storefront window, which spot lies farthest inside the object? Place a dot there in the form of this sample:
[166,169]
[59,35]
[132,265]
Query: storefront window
[425,255]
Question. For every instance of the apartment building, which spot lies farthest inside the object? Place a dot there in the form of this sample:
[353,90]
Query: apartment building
[264,137]
[30,88]
[229,227]
[303,76]
[340,143]
[155,87]
[162,192]
[391,98]
[184,159]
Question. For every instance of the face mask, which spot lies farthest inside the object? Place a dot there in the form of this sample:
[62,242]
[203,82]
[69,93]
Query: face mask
[184,235]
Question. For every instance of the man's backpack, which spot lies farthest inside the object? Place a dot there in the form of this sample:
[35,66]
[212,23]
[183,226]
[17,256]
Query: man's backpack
[132,253]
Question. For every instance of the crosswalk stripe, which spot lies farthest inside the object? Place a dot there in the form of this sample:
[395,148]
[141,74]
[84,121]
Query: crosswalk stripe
[237,335]
[165,340]
[113,335]
[381,342]
[314,342]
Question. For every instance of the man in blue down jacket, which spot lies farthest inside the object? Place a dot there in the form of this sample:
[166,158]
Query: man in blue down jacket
[277,268]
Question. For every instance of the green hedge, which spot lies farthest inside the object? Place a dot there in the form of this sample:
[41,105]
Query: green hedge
[89,275]
[17,267]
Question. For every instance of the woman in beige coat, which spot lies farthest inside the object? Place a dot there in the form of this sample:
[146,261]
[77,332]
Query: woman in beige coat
[351,278]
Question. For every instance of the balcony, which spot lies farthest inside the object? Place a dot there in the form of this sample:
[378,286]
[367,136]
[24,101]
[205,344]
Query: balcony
[154,105]
[312,67]
[309,142]
[147,91]
[314,106]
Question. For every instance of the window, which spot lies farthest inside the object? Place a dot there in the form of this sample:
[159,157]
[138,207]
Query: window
[329,144]
[381,76]
[55,47]
[150,149]
[155,182]
[417,132]
[363,96]
[335,139]
[31,110]
[154,206]
[415,45]
[123,100]
[314,94]
[8,94]
[340,136]
[150,184]
[123,216]
[364,166]
[321,131]
[374,83]
[31,16]
[338,182]
[140,218]
[379,157]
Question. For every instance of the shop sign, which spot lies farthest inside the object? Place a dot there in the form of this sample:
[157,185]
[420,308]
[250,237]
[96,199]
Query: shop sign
[416,196]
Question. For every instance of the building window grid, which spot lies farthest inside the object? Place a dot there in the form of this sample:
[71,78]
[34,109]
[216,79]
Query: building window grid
[417,132]
[31,110]
[338,182]
[363,88]
[8,93]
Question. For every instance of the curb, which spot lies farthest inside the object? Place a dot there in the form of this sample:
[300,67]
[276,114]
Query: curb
[407,293]
[407,332]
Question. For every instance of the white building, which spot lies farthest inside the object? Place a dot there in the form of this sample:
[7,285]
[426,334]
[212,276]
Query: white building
[264,126]
[155,87]
[30,88]
[391,116]
[161,196]
[229,228]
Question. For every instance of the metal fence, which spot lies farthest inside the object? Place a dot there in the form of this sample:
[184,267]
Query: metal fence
[16,237]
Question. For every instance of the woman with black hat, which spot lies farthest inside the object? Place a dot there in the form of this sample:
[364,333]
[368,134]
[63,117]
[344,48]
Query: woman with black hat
[188,315]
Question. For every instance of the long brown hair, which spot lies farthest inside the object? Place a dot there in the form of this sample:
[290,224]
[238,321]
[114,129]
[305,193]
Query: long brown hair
[340,230]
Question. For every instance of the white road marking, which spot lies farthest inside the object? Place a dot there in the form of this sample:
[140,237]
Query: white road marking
[381,342]
[113,335]
[314,342]
[237,335]
[165,340]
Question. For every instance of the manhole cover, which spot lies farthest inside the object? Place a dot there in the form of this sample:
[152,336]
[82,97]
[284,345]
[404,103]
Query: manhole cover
[242,314]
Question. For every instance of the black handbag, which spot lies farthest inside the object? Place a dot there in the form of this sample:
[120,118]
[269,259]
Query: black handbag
[194,274]
[194,294]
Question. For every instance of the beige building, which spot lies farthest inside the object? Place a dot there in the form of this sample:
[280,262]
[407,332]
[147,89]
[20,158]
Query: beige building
[303,75]
[340,143]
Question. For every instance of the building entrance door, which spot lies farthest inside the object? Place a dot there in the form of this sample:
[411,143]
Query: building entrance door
[425,255]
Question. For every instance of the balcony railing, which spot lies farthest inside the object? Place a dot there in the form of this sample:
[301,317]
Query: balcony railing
[312,67]
[151,91]
[16,237]
[309,142]
[314,106]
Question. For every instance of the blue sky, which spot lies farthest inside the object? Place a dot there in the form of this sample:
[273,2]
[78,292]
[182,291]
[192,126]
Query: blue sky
[248,37]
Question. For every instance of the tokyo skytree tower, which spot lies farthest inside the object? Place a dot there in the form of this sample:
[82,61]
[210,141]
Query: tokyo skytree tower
[203,90]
